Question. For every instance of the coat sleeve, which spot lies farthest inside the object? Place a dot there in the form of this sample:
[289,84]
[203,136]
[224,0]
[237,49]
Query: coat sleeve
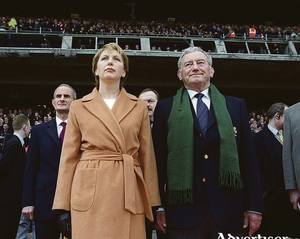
[68,161]
[147,160]
[287,160]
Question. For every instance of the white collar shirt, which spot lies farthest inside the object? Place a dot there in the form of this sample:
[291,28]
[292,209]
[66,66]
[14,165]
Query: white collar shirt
[59,126]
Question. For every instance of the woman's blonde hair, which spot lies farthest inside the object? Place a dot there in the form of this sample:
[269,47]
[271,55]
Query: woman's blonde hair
[110,46]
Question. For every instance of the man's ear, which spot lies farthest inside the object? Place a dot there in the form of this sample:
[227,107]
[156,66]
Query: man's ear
[212,72]
[179,75]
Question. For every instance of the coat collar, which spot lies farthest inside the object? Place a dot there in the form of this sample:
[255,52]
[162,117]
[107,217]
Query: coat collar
[111,118]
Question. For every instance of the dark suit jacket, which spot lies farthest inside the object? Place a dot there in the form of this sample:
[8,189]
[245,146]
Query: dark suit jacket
[42,169]
[269,155]
[227,206]
[12,166]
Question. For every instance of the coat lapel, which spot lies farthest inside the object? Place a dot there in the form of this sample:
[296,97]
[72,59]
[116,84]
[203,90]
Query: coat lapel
[52,131]
[123,105]
[110,118]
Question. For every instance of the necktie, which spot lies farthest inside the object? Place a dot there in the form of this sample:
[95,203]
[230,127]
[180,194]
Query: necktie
[62,133]
[202,114]
[280,136]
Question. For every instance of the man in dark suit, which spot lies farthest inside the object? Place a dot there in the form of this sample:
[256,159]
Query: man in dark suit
[12,167]
[42,166]
[151,97]
[205,157]
[280,218]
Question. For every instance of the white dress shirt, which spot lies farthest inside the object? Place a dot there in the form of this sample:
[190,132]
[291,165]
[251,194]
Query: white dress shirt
[59,126]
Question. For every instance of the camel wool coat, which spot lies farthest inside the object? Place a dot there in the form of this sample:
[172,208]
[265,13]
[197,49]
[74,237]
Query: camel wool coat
[107,175]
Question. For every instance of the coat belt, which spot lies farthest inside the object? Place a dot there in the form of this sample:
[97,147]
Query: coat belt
[130,172]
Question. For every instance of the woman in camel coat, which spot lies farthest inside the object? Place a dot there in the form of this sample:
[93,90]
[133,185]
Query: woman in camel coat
[107,176]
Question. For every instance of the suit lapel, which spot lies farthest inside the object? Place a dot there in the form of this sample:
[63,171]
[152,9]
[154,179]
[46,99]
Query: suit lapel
[196,122]
[211,117]
[52,131]
[271,142]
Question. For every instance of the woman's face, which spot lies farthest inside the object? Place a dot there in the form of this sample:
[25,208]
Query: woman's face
[110,66]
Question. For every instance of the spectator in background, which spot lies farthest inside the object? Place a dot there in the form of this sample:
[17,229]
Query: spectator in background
[4,24]
[55,28]
[261,123]
[280,218]
[151,97]
[12,166]
[46,26]
[1,125]
[21,25]
[254,128]
[12,23]
[90,44]
[231,33]
[36,117]
[29,25]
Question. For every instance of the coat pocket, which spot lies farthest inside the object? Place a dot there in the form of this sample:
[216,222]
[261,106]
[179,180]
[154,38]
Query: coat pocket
[83,189]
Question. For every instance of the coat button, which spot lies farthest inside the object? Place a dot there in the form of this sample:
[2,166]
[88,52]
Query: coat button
[203,180]
[201,135]
[206,156]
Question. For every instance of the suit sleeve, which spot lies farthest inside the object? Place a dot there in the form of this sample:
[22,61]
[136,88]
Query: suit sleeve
[249,166]
[31,169]
[260,150]
[69,158]
[10,156]
[147,160]
[159,133]
[287,160]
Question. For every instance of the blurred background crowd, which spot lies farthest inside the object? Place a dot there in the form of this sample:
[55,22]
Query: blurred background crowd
[147,28]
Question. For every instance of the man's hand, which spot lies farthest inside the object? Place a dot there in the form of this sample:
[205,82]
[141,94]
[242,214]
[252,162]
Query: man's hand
[161,221]
[253,220]
[294,198]
[28,212]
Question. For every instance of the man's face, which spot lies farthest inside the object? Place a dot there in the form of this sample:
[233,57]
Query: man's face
[151,100]
[195,72]
[28,128]
[63,99]
[5,126]
[280,121]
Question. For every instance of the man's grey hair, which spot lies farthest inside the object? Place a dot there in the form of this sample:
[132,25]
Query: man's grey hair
[74,92]
[190,50]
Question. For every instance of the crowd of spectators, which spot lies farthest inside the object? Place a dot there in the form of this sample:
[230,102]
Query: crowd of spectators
[148,28]
[257,120]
